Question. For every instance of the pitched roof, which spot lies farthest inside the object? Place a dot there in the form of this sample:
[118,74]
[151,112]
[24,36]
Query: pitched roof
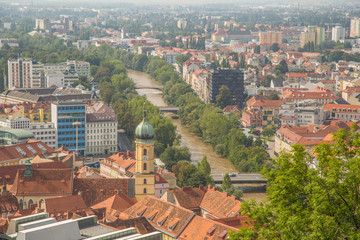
[236,222]
[56,182]
[141,224]
[29,149]
[162,215]
[200,228]
[188,197]
[9,172]
[64,204]
[219,204]
[117,202]
[159,179]
[95,190]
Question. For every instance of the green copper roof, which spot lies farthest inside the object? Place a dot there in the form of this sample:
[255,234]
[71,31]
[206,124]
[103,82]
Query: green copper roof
[18,133]
[144,131]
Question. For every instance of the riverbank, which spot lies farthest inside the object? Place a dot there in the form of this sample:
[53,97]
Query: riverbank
[197,148]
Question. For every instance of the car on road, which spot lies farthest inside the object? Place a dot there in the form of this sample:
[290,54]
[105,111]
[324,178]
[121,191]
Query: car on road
[232,174]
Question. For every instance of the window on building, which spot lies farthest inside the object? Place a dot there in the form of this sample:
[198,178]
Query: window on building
[145,167]
[144,181]
[145,152]
[144,190]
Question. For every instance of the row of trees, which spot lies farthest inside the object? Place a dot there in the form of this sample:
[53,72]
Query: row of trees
[205,120]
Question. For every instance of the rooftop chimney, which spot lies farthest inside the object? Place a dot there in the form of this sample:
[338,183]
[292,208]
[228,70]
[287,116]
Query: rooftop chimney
[28,169]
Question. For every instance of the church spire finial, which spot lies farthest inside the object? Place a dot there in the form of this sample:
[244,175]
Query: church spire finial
[144,112]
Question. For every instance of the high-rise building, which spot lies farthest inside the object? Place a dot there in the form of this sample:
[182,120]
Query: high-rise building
[338,33]
[43,24]
[270,37]
[233,79]
[144,167]
[355,27]
[181,24]
[320,35]
[66,115]
[306,37]
[80,67]
[20,73]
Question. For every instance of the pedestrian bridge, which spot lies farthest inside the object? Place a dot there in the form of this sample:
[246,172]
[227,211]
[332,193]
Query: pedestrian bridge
[169,109]
[241,178]
[160,88]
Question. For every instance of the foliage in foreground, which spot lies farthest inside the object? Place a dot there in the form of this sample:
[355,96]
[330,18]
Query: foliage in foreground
[311,198]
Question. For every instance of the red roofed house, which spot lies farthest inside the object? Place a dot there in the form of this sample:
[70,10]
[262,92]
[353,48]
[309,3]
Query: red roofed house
[206,202]
[176,222]
[269,109]
[252,117]
[34,185]
[19,153]
[60,207]
[295,77]
[118,165]
[319,95]
[343,112]
[308,136]
[161,185]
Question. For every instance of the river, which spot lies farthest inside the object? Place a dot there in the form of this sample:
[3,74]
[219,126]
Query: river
[197,148]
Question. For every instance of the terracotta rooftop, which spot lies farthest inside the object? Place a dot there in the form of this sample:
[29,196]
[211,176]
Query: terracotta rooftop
[43,182]
[219,204]
[96,190]
[188,197]
[236,222]
[25,150]
[64,204]
[159,179]
[163,215]
[119,202]
[141,224]
[9,172]
[200,228]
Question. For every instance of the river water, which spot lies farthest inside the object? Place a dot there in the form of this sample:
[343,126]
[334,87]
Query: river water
[197,148]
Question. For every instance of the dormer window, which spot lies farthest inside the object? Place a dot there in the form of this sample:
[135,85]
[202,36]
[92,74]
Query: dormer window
[162,220]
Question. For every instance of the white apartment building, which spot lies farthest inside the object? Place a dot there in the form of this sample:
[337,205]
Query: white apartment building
[80,67]
[355,27]
[44,132]
[101,129]
[20,73]
[38,76]
[338,33]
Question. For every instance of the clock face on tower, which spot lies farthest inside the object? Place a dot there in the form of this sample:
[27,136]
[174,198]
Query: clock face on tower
[145,158]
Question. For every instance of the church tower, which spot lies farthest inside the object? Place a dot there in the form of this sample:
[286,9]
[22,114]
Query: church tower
[144,168]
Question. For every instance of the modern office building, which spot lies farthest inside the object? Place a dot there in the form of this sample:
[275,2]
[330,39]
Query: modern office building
[80,67]
[20,73]
[233,79]
[338,33]
[65,115]
[355,27]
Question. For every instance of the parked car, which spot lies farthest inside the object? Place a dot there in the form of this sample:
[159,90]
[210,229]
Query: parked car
[232,174]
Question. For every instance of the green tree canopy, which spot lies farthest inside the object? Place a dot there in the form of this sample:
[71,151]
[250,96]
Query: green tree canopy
[224,97]
[311,196]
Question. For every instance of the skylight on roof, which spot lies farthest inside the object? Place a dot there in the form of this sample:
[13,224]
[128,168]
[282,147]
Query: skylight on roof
[21,151]
[31,149]
[41,147]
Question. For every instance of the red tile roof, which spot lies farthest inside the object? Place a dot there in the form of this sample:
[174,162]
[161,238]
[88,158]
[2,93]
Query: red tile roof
[162,215]
[219,204]
[189,197]
[56,182]
[64,204]
[141,224]
[9,172]
[119,202]
[11,152]
[236,222]
[200,228]
[96,190]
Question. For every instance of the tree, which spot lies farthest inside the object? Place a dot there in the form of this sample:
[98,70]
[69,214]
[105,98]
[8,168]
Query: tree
[273,96]
[275,47]
[268,131]
[317,202]
[180,59]
[224,97]
[226,184]
[257,49]
[282,67]
[174,154]
[204,166]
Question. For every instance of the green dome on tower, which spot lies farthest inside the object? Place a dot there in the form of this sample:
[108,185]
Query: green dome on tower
[144,131]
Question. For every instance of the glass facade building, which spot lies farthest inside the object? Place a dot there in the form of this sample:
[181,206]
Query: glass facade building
[63,115]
